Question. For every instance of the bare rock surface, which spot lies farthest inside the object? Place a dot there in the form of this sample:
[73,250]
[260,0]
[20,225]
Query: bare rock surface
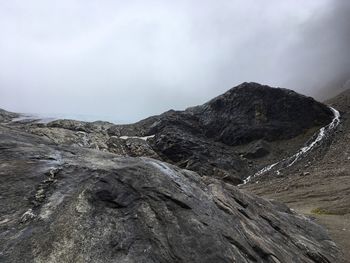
[66,203]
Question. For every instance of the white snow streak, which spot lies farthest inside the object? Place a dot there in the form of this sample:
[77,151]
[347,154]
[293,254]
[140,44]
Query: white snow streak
[293,159]
[136,137]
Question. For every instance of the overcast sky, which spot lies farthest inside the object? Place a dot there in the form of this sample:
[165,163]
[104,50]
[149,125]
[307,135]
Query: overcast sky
[126,60]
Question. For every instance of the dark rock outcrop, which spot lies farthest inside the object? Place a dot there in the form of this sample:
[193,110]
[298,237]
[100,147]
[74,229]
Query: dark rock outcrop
[252,111]
[74,125]
[71,204]
[257,149]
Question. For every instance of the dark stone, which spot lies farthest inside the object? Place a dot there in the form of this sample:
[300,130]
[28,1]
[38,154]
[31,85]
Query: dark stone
[257,149]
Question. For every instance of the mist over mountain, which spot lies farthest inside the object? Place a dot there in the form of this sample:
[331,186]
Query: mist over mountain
[320,64]
[126,61]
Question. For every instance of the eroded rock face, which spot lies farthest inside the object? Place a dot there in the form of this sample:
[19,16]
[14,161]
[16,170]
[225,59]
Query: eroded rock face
[252,111]
[71,204]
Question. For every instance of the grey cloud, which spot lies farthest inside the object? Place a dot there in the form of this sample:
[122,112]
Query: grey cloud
[319,61]
[126,60]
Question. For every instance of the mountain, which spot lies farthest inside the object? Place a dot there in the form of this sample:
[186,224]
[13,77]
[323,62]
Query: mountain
[229,137]
[97,192]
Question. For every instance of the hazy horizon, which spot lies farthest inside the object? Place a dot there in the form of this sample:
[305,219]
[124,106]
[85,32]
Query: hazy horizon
[124,61]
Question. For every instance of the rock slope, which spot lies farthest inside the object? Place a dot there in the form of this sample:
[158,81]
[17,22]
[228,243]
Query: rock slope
[65,203]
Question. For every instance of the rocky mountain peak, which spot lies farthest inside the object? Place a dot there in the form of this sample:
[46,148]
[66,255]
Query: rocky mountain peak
[252,111]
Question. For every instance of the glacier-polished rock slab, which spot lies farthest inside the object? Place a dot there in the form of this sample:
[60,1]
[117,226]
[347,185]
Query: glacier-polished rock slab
[71,204]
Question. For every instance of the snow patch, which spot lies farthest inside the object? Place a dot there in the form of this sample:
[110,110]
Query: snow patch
[262,171]
[145,138]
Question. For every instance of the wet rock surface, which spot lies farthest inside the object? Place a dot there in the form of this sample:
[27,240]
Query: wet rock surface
[66,203]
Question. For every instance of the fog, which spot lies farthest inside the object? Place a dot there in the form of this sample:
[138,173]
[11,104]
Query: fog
[125,60]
